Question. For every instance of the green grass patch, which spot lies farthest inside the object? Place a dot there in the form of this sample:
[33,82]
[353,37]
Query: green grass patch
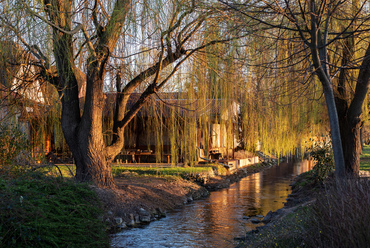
[366,152]
[156,171]
[287,232]
[152,171]
[365,165]
[42,211]
[67,170]
[365,158]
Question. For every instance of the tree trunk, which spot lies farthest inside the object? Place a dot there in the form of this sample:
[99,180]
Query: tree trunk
[84,134]
[94,161]
[349,125]
[351,140]
[352,125]
[92,165]
[320,62]
[335,132]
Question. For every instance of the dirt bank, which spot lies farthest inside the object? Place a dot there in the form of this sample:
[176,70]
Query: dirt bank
[139,200]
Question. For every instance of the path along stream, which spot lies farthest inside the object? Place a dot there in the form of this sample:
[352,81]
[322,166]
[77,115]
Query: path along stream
[218,219]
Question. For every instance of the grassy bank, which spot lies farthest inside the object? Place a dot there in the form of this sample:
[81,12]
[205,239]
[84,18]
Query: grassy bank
[43,211]
[184,172]
[164,171]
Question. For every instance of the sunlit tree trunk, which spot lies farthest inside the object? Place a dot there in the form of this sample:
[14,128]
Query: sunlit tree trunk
[83,133]
[320,61]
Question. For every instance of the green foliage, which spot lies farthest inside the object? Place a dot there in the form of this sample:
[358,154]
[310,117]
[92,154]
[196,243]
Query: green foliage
[323,155]
[220,169]
[12,142]
[41,211]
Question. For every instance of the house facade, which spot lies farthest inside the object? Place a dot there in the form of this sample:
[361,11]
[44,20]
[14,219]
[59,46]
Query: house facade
[172,128]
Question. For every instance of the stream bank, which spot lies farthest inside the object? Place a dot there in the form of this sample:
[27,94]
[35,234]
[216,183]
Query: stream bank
[317,214]
[283,220]
[138,200]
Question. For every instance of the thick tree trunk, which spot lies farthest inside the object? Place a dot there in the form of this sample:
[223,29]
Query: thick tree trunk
[92,165]
[94,162]
[351,119]
[351,140]
[84,133]
[88,149]
[349,125]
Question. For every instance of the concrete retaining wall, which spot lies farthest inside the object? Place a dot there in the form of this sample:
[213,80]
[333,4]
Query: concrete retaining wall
[247,161]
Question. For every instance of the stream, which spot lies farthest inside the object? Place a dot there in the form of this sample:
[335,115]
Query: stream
[216,220]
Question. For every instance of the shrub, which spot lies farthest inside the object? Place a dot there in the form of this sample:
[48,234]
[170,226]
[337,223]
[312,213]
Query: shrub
[14,155]
[12,141]
[41,211]
[323,156]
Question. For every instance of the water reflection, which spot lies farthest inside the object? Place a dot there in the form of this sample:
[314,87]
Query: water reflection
[215,221]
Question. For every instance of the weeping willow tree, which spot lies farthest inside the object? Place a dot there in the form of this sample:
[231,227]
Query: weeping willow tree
[326,30]
[284,102]
[276,112]
[136,45]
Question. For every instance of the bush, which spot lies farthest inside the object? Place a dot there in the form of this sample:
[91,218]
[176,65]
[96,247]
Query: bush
[41,211]
[12,141]
[341,216]
[323,156]
[15,158]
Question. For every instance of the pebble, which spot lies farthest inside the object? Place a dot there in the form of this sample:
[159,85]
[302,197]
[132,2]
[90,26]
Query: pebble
[255,221]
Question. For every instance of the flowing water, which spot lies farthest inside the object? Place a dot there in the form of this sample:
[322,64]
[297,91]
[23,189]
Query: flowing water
[216,220]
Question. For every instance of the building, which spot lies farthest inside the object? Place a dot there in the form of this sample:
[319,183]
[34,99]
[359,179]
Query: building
[171,127]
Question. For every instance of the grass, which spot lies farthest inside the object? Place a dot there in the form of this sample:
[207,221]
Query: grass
[66,170]
[365,165]
[365,158]
[287,232]
[366,152]
[166,171]
[42,211]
